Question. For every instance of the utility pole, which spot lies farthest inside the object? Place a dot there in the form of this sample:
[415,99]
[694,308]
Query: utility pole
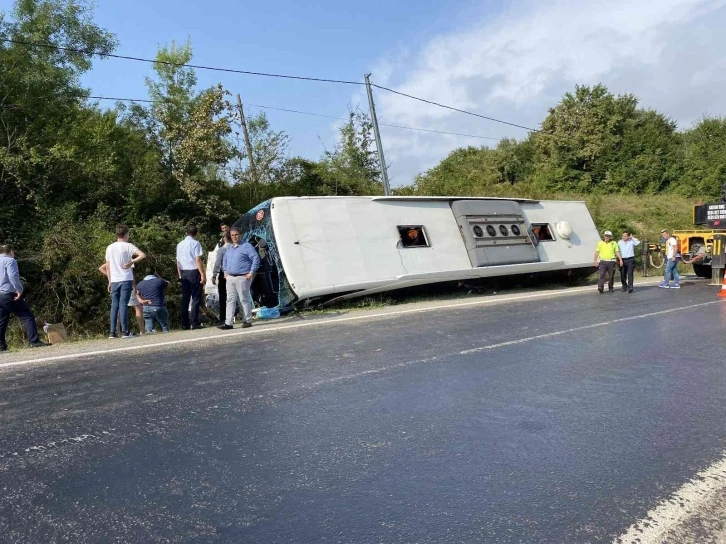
[248,145]
[379,145]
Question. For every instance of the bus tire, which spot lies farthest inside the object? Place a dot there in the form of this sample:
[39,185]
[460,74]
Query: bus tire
[702,270]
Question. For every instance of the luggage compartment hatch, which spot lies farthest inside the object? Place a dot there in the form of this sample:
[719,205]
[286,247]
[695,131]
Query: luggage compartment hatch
[495,232]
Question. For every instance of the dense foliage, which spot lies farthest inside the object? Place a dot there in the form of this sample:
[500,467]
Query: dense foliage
[71,170]
[592,142]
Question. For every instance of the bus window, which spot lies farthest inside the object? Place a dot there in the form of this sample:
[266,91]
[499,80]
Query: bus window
[542,232]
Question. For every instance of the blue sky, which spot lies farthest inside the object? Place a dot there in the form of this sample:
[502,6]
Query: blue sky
[325,38]
[510,59]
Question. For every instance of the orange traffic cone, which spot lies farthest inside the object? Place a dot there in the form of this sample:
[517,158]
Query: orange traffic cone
[722,292]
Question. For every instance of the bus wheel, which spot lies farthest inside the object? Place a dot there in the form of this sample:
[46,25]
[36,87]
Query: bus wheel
[702,270]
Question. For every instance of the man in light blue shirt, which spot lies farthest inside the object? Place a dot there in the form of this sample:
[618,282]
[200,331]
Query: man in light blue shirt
[240,264]
[190,268]
[627,246]
[11,301]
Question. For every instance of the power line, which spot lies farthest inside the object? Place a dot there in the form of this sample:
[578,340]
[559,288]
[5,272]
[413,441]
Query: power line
[264,74]
[382,124]
[454,109]
[183,65]
[121,99]
[319,115]
[298,111]
[442,132]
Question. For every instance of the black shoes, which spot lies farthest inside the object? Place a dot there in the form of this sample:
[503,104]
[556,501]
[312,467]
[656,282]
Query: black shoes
[625,289]
[225,327]
[630,290]
[197,327]
[600,291]
[37,344]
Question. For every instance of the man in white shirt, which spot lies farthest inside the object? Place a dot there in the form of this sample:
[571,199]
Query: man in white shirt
[120,257]
[671,269]
[190,268]
[627,246]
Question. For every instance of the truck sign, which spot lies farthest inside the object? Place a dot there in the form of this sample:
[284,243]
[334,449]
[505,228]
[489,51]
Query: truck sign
[715,215]
[711,215]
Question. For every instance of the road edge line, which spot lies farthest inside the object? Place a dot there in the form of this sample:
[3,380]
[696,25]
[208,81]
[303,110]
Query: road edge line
[317,322]
[679,507]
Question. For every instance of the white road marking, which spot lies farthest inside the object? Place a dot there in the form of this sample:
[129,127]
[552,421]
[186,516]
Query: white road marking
[583,328]
[332,321]
[685,503]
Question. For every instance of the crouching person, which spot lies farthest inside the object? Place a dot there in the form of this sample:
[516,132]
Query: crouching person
[11,301]
[151,295]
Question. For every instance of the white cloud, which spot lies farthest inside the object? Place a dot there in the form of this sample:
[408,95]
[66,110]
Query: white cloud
[517,64]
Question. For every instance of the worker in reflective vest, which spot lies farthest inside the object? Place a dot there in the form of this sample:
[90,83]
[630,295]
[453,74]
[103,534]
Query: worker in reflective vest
[607,254]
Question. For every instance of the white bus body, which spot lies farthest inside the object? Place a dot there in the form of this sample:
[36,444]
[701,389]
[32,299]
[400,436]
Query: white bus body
[326,246]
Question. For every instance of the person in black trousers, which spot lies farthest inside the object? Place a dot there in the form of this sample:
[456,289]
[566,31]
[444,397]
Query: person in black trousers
[11,300]
[627,246]
[218,278]
[192,277]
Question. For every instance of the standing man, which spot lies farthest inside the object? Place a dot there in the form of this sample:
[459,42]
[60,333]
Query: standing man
[224,228]
[120,257]
[190,268]
[671,269]
[218,277]
[11,301]
[606,255]
[240,263]
[627,253]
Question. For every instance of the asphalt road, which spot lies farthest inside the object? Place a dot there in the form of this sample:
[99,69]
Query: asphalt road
[556,420]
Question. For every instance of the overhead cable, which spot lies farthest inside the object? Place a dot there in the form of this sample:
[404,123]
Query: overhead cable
[318,115]
[453,108]
[182,65]
[264,74]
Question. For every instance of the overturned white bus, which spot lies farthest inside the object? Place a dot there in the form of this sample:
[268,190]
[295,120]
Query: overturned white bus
[332,248]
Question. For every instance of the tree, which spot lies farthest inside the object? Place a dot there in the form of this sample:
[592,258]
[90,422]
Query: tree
[596,141]
[190,129]
[648,159]
[352,167]
[579,136]
[270,155]
[704,163]
[480,171]
[41,112]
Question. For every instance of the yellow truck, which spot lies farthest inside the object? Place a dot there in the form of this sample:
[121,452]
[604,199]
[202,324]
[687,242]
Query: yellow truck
[697,247]
[704,249]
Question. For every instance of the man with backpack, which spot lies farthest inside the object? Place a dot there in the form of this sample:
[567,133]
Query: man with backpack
[607,254]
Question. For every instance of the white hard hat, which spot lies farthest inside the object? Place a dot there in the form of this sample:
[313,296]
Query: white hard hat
[608,233]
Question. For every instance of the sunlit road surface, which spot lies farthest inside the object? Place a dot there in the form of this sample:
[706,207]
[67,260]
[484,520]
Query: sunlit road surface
[585,418]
